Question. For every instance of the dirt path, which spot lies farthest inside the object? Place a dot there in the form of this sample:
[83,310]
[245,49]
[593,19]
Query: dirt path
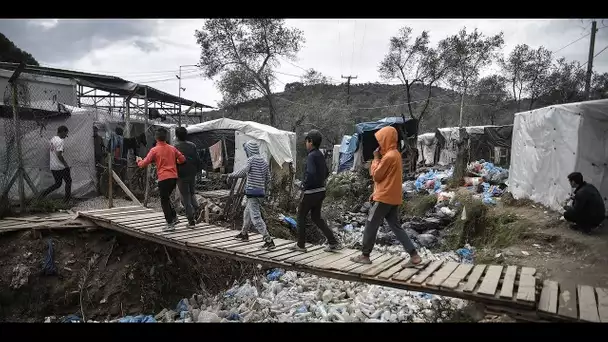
[558,252]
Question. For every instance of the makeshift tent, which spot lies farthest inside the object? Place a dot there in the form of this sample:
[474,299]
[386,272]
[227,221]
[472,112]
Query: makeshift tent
[366,131]
[275,143]
[498,141]
[427,143]
[348,147]
[446,149]
[551,142]
[477,147]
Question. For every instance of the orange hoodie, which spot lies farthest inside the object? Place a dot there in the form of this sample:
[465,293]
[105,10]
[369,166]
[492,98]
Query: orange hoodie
[387,172]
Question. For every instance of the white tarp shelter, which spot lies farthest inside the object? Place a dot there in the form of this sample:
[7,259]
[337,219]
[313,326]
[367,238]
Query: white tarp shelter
[281,145]
[427,143]
[551,142]
[448,137]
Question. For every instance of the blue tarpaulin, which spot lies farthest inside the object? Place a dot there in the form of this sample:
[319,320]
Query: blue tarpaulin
[347,152]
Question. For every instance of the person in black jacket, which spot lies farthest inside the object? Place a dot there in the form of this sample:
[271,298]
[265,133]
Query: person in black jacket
[313,187]
[588,209]
[187,174]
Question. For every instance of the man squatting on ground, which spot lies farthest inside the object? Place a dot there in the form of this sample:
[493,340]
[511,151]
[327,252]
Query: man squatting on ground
[258,176]
[166,158]
[588,209]
[313,187]
[386,171]
[59,167]
[187,174]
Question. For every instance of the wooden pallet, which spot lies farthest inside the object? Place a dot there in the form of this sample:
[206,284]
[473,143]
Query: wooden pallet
[500,286]
[47,221]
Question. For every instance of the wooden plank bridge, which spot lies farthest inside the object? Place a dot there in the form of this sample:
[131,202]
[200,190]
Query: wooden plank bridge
[511,289]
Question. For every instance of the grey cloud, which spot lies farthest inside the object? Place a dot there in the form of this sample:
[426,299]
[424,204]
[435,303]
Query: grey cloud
[72,39]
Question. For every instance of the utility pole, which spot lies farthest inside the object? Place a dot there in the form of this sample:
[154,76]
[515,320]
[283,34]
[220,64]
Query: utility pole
[590,61]
[348,78]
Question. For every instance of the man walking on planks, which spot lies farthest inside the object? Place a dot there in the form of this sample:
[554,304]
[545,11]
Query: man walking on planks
[258,175]
[187,174]
[386,171]
[313,186]
[166,158]
[59,167]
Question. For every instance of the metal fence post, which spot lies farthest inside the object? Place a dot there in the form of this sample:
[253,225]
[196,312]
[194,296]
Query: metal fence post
[147,127]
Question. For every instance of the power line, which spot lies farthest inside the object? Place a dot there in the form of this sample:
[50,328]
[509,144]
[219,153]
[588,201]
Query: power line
[601,51]
[352,54]
[556,51]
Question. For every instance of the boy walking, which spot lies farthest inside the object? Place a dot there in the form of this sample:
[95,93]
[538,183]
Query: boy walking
[313,186]
[187,174]
[166,158]
[59,167]
[258,176]
[386,171]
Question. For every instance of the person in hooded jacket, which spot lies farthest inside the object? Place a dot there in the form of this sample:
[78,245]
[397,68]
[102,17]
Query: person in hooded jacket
[386,171]
[258,175]
[588,209]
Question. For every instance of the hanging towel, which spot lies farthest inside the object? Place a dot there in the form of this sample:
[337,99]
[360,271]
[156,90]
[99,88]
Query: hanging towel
[216,155]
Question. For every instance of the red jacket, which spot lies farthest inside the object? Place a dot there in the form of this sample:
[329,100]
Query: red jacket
[166,158]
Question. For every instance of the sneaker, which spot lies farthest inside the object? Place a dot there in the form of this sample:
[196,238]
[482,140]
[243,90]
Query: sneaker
[297,248]
[191,225]
[169,227]
[242,237]
[333,248]
[269,245]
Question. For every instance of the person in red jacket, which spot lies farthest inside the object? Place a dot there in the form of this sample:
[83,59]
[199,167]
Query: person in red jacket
[166,158]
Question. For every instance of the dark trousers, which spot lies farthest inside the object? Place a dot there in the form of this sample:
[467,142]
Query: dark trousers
[312,203]
[378,213]
[583,222]
[165,188]
[60,176]
[187,191]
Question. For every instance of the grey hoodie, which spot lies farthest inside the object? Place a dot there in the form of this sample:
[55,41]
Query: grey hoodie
[256,170]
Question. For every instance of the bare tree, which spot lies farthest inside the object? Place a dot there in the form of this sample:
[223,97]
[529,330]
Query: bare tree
[412,62]
[514,69]
[599,86]
[243,53]
[566,82]
[468,54]
[312,77]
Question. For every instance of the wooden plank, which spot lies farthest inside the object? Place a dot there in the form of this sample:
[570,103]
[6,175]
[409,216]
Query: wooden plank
[459,274]
[138,218]
[140,225]
[123,186]
[277,253]
[116,209]
[296,253]
[235,242]
[474,278]
[352,265]
[506,291]
[567,301]
[188,233]
[490,280]
[587,306]
[361,269]
[280,244]
[387,274]
[244,249]
[336,256]
[303,256]
[549,297]
[312,258]
[527,285]
[210,237]
[127,213]
[443,273]
[421,277]
[602,303]
[406,273]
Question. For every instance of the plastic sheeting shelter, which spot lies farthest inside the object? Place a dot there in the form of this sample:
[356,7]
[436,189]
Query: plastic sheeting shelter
[366,131]
[447,147]
[551,142]
[427,144]
[275,143]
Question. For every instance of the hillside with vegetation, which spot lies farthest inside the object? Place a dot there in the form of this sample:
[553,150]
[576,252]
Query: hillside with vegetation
[9,52]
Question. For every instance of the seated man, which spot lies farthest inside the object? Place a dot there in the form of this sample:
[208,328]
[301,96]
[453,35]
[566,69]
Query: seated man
[588,209]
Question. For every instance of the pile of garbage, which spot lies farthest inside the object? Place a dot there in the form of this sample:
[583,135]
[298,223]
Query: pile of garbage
[432,181]
[300,297]
[486,179]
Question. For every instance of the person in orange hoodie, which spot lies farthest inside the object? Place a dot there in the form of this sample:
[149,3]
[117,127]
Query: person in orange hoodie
[166,158]
[386,171]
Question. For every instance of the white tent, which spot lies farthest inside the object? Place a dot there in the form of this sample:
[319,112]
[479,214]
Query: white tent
[427,143]
[551,142]
[281,145]
[451,135]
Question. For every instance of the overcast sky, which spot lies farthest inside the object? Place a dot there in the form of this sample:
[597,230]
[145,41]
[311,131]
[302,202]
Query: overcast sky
[150,51]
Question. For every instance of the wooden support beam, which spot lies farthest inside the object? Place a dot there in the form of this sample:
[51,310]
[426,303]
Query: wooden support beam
[125,188]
